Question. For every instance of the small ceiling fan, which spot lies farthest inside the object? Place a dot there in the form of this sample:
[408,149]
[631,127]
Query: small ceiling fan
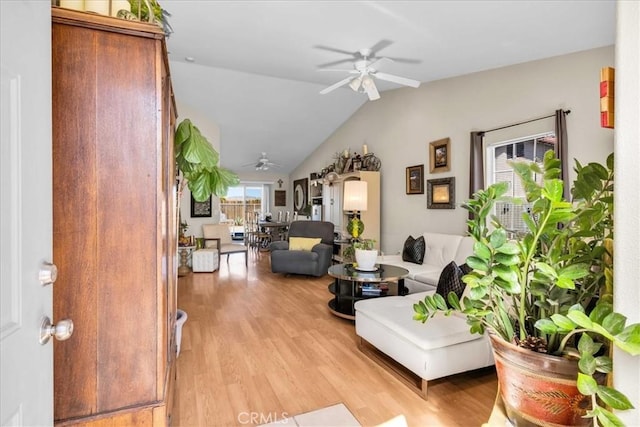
[365,70]
[263,163]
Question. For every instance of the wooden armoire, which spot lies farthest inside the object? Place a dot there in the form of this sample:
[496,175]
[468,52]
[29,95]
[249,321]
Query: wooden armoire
[114,221]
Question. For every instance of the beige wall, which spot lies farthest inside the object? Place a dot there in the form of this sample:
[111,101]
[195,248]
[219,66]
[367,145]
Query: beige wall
[627,196]
[399,126]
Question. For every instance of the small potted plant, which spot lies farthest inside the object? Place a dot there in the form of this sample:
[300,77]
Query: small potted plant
[545,296]
[365,254]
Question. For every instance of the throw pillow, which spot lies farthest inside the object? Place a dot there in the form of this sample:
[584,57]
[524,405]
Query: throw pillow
[303,243]
[413,250]
[451,281]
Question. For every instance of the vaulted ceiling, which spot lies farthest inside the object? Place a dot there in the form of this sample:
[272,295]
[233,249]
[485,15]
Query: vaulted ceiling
[254,69]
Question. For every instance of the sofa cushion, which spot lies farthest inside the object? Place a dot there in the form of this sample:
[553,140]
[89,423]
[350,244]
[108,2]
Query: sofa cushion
[465,249]
[451,281]
[303,243]
[413,250]
[396,314]
[441,249]
[414,269]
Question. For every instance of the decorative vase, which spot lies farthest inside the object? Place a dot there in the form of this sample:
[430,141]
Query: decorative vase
[538,389]
[355,227]
[366,259]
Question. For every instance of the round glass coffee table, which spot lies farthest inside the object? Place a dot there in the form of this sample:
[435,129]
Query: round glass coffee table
[351,285]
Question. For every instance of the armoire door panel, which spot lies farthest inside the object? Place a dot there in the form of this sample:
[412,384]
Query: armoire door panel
[74,218]
[127,152]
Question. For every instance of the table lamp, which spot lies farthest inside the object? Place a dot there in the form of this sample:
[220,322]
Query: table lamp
[355,200]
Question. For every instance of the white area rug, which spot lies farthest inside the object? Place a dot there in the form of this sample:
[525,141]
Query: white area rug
[331,416]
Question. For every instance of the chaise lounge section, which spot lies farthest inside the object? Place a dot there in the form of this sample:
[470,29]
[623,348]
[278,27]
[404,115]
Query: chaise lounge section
[440,347]
[415,352]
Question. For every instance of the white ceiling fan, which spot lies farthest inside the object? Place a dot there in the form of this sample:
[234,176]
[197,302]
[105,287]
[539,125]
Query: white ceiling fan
[263,163]
[365,70]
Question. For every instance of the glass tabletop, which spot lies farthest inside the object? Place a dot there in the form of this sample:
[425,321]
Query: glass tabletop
[382,273]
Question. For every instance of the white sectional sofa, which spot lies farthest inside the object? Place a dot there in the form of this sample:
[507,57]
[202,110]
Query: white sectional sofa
[440,250]
[440,347]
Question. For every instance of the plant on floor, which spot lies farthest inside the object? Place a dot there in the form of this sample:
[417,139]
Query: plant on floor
[550,289]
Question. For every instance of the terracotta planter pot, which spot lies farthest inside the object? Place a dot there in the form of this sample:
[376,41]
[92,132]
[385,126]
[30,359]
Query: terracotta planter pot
[538,389]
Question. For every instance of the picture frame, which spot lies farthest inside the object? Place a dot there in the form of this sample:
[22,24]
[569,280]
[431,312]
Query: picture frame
[200,209]
[415,179]
[441,193]
[300,191]
[440,155]
[280,198]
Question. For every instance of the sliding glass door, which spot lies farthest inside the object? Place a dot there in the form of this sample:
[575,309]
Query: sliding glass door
[240,201]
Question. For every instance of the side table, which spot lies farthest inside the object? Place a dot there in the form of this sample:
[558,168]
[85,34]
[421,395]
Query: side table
[351,285]
[185,253]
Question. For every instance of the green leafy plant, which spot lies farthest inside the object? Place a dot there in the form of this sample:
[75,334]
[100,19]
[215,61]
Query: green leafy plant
[151,11]
[349,252]
[198,161]
[365,244]
[550,288]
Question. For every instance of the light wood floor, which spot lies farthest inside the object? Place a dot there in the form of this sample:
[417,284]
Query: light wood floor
[258,347]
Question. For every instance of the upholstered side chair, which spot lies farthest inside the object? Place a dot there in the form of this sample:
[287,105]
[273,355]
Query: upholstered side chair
[219,236]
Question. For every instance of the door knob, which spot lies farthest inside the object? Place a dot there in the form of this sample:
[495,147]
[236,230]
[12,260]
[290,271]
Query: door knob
[61,331]
[48,273]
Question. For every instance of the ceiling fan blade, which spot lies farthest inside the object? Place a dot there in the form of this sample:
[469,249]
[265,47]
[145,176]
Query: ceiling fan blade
[379,46]
[332,63]
[397,79]
[379,61]
[339,70]
[333,49]
[336,85]
[404,60]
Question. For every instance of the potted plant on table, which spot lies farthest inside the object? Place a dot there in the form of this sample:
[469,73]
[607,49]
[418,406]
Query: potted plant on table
[365,254]
[546,296]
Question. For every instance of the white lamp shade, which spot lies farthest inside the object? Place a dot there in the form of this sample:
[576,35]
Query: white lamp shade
[355,196]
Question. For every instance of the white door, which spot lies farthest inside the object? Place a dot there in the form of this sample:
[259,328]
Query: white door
[26,374]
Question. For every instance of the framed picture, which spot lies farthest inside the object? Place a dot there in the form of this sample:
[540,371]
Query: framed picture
[440,156]
[415,181]
[280,198]
[200,209]
[441,193]
[300,188]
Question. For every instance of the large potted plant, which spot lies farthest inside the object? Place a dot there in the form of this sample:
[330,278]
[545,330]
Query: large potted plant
[197,161]
[545,296]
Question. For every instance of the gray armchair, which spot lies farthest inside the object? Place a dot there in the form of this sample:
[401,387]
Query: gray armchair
[315,262]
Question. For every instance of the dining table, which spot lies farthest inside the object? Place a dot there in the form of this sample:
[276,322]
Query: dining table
[277,230]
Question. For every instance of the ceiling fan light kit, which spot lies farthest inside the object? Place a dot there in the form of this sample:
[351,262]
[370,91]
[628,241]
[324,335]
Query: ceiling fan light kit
[365,68]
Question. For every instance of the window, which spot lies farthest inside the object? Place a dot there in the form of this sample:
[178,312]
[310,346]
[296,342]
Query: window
[498,156]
